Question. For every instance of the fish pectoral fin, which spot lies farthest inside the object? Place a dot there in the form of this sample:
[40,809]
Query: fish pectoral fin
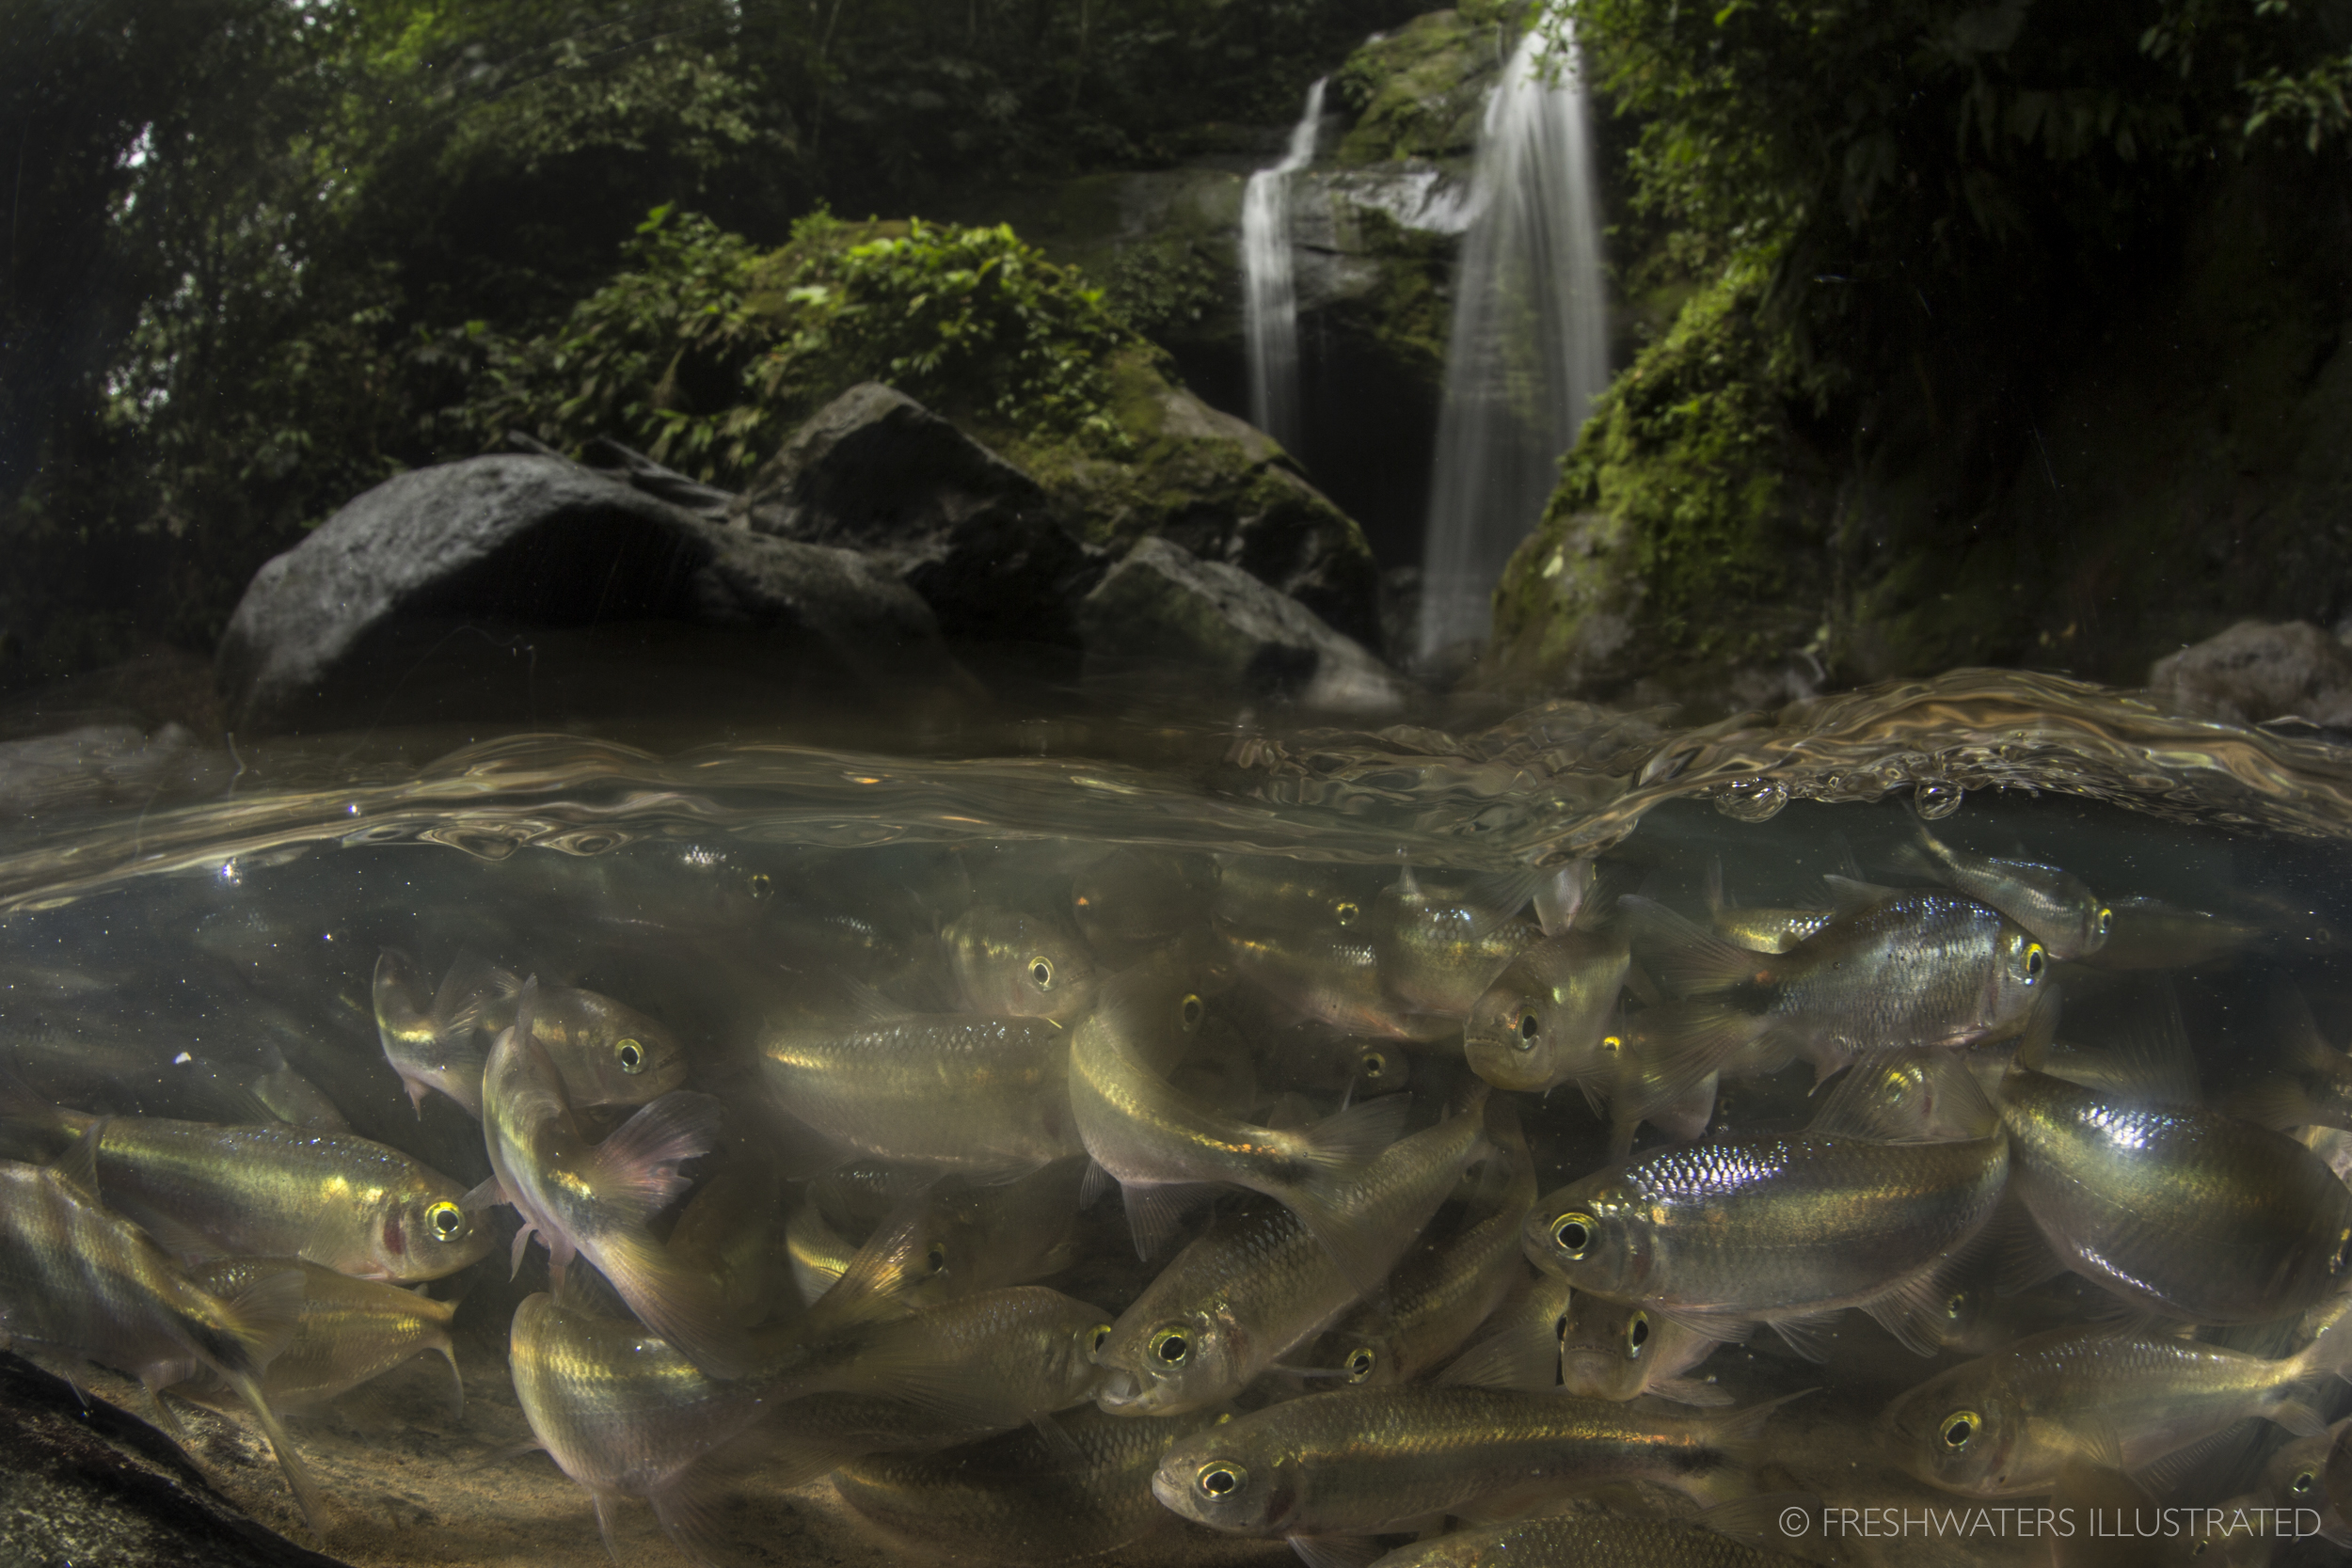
[489,1195]
[605,1524]
[1155,1210]
[2025,1254]
[1057,1439]
[1912,1309]
[1690,1391]
[1336,1551]
[2297,1418]
[522,1244]
[1763,1520]
[2214,1455]
[1804,1334]
[263,1316]
[1709,1325]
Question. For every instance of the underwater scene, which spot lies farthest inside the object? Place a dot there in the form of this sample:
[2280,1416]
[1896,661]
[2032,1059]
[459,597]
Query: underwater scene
[1910,1127]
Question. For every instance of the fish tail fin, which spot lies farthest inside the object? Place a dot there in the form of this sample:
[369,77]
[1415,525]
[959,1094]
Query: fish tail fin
[262,1319]
[2275,1103]
[1922,855]
[1684,957]
[307,1495]
[468,993]
[1738,1435]
[636,1168]
[1344,1144]
[2330,1350]
[681,1305]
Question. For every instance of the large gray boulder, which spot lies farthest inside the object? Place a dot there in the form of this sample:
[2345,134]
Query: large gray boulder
[527,589]
[2255,671]
[1164,608]
[876,471]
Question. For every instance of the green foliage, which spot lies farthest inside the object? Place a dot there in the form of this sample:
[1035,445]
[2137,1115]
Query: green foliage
[1421,90]
[709,351]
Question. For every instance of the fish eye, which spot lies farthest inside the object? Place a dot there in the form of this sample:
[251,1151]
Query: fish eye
[1220,1476]
[2342,1253]
[1636,1335]
[1374,1063]
[1171,1346]
[1956,1303]
[1193,1011]
[1042,972]
[1613,1042]
[1345,912]
[2303,1482]
[1529,1028]
[1360,1363]
[632,1057]
[1572,1233]
[2036,961]
[447,1220]
[2106,923]
[763,887]
[1102,1338]
[1959,1426]
[935,1256]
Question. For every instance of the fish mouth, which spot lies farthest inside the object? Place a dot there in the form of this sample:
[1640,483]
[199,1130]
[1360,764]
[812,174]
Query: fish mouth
[1120,1387]
[1172,1496]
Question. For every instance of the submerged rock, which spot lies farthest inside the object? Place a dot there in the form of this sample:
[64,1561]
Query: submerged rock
[2256,672]
[530,589]
[876,471]
[1164,605]
[94,1484]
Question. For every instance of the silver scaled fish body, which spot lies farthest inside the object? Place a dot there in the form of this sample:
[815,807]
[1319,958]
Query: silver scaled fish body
[1257,1282]
[1363,1462]
[79,1279]
[349,1331]
[1786,1229]
[597,1199]
[2003,1425]
[1148,1136]
[976,1092]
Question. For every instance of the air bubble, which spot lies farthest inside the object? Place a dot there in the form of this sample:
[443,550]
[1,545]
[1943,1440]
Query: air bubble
[1935,801]
[1751,800]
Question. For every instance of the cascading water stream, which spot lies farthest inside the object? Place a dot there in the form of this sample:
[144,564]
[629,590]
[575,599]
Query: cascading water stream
[1527,350]
[1269,291]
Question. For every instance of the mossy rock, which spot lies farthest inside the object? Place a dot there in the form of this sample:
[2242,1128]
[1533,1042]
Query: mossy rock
[1421,92]
[1679,554]
[1211,483]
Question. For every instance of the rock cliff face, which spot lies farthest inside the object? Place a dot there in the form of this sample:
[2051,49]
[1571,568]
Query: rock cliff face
[2181,464]
[1376,222]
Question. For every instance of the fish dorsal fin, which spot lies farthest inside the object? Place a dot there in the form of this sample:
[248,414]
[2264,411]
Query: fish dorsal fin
[869,1004]
[1717,900]
[1851,894]
[1560,896]
[77,1168]
[2154,1064]
[467,990]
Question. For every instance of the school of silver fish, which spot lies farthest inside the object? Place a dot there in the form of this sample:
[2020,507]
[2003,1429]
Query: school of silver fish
[1047,1201]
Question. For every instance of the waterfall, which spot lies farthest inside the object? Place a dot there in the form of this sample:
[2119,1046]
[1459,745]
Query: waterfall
[1527,351]
[1269,295]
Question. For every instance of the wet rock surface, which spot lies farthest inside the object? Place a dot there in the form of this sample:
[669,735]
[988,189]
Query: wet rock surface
[528,585]
[970,533]
[2255,671]
[1164,604]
